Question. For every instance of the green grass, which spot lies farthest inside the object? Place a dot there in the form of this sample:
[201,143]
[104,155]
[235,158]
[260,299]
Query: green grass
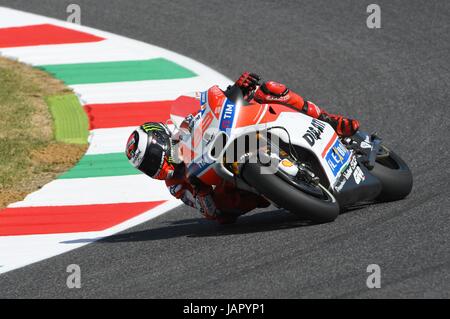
[71,124]
[16,139]
[29,153]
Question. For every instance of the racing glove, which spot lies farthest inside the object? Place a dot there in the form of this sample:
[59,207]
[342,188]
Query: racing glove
[205,204]
[247,82]
[201,199]
[343,126]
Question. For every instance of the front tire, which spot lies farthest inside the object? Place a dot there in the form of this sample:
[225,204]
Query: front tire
[319,205]
[394,175]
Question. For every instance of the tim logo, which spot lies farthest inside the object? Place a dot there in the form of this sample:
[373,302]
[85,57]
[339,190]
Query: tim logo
[314,132]
[227,116]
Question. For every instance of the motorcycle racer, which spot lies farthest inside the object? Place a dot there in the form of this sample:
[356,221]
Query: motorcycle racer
[150,149]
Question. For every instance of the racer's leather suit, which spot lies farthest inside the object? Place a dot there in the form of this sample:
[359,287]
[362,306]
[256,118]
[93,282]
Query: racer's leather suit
[225,203]
[274,92]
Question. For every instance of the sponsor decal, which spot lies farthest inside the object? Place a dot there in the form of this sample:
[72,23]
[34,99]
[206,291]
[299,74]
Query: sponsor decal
[149,127]
[226,122]
[365,145]
[348,172]
[132,144]
[203,97]
[353,163]
[358,175]
[288,167]
[314,132]
[337,156]
[346,175]
[287,163]
[340,185]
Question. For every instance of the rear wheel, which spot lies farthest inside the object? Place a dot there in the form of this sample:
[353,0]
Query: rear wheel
[394,175]
[307,200]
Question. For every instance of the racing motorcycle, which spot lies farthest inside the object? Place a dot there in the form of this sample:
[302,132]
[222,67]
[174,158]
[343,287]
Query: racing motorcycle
[296,162]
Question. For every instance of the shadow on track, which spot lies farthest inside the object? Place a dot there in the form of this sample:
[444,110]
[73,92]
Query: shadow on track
[199,227]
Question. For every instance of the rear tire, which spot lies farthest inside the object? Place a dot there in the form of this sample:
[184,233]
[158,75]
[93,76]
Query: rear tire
[288,196]
[394,175]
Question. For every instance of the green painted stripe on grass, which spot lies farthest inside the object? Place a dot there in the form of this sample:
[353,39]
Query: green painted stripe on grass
[70,121]
[120,71]
[101,165]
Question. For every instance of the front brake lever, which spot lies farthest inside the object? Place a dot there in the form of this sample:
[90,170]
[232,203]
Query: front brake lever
[376,143]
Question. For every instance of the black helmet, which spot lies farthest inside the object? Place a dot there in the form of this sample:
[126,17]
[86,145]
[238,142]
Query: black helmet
[149,147]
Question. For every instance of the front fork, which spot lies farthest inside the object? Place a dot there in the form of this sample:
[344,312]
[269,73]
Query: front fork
[366,146]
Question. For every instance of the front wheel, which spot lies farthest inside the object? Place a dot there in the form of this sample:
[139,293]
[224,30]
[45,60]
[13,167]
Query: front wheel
[306,200]
[394,175]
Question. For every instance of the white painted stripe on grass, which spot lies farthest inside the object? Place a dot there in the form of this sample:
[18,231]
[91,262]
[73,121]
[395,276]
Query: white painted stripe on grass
[109,140]
[122,97]
[97,190]
[16,18]
[20,251]
[103,51]
[137,91]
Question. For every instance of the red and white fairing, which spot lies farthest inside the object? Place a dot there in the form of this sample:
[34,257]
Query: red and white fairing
[218,115]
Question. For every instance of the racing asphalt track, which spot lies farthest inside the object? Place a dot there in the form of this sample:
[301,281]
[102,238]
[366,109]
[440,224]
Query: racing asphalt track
[394,80]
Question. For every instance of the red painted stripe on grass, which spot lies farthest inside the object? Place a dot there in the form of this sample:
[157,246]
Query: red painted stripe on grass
[42,34]
[135,113]
[126,114]
[68,219]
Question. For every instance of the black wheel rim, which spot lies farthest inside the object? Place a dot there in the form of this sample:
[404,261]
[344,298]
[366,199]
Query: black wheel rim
[384,158]
[302,185]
